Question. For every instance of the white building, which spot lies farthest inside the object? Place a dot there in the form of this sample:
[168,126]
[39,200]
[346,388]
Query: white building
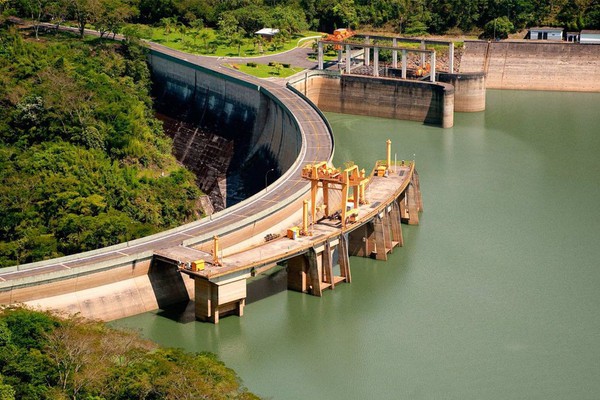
[545,33]
[267,33]
[587,36]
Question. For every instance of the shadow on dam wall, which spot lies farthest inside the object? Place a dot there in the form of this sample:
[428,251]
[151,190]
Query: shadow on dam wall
[223,132]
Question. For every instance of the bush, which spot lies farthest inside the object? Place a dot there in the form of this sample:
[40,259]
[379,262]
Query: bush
[271,63]
[251,64]
[285,65]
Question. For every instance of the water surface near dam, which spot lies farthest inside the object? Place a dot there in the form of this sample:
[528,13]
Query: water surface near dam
[494,295]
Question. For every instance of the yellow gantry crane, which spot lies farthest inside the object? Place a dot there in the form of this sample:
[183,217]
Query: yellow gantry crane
[325,175]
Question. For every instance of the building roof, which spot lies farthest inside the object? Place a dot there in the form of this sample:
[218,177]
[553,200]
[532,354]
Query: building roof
[590,32]
[267,31]
[545,28]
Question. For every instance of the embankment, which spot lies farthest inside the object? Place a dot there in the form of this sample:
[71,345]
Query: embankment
[534,66]
[430,103]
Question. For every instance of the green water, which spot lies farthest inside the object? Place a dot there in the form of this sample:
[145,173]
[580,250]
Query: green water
[496,294]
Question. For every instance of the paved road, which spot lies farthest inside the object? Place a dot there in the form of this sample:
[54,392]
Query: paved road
[317,145]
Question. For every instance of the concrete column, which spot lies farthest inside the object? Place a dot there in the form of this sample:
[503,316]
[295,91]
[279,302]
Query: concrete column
[360,241]
[297,278]
[396,224]
[343,258]
[320,55]
[375,61]
[348,59]
[367,52]
[314,275]
[422,54]
[451,58]
[403,204]
[403,64]
[382,237]
[327,265]
[417,186]
[390,243]
[212,300]
[394,54]
[413,205]
[432,70]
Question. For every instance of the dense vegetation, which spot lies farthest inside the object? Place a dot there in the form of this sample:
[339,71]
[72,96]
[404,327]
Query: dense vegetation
[235,20]
[45,357]
[83,161]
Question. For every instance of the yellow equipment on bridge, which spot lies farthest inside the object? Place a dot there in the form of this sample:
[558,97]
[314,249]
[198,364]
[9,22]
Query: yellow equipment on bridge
[198,265]
[328,175]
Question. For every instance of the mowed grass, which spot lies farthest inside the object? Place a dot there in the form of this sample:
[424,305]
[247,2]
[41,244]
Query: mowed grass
[266,71]
[207,42]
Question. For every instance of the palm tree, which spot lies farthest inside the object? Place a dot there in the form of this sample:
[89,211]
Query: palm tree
[237,40]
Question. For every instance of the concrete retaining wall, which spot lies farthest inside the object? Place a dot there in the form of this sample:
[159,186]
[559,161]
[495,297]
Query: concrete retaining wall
[535,65]
[431,103]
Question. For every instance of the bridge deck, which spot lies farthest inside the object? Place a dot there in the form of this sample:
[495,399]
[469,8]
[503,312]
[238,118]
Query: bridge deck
[381,191]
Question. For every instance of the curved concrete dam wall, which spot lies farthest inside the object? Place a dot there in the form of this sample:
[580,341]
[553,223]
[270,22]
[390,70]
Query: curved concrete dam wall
[535,65]
[431,103]
[113,287]
[263,134]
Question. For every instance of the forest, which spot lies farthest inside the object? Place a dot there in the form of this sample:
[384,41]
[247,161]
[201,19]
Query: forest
[46,357]
[241,18]
[84,163]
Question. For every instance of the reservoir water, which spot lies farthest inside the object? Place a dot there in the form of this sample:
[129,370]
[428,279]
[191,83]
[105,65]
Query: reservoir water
[495,295]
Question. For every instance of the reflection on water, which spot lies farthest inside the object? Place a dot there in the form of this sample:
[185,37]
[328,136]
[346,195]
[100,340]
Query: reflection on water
[494,296]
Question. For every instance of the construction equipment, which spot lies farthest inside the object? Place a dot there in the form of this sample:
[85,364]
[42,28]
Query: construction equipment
[322,173]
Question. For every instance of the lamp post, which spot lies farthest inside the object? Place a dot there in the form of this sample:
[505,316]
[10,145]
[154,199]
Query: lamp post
[266,175]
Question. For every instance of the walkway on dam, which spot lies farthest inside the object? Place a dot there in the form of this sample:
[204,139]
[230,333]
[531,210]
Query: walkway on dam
[317,146]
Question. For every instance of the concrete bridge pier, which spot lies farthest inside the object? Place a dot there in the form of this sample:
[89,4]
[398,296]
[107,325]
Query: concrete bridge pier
[313,271]
[383,241]
[216,299]
[411,202]
[396,226]
[378,237]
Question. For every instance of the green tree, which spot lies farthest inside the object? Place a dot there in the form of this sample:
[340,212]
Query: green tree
[7,392]
[346,12]
[168,23]
[110,16]
[498,28]
[228,26]
[237,40]
[81,11]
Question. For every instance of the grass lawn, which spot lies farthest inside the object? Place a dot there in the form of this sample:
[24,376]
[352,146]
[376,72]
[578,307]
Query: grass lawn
[329,56]
[265,71]
[206,42]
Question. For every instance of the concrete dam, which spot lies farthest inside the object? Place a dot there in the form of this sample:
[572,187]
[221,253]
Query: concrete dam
[276,125]
[254,135]
[535,65]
